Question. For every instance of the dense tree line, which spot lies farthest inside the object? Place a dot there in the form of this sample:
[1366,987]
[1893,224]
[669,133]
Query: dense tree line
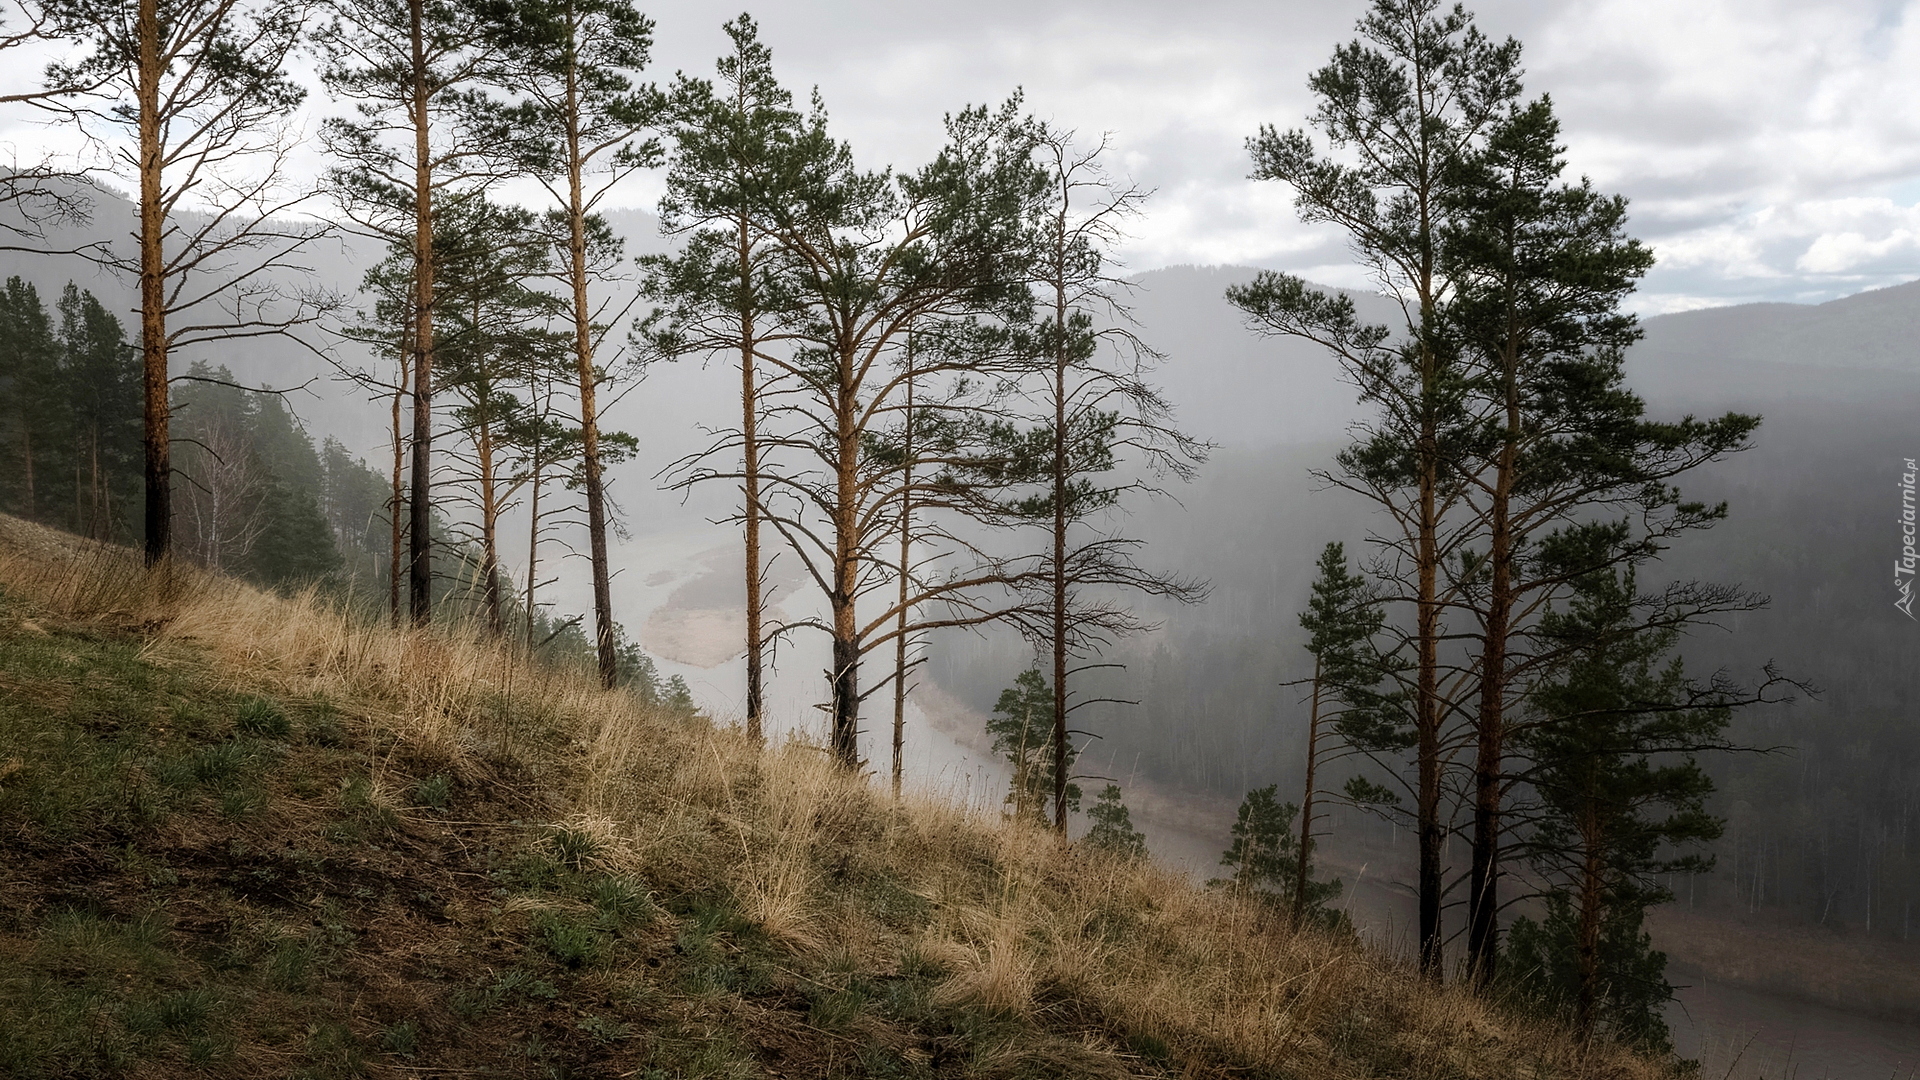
[72,429]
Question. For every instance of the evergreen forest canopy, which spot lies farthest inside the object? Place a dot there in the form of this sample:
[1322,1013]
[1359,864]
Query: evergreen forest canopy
[944,416]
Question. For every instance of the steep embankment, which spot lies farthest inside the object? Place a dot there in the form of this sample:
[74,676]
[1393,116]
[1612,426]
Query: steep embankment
[242,835]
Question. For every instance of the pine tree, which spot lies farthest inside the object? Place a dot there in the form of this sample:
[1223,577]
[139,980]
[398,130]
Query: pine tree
[296,545]
[1022,730]
[102,375]
[1621,796]
[1265,858]
[353,499]
[1112,828]
[194,96]
[940,253]
[1541,268]
[495,334]
[39,415]
[1103,432]
[422,132]
[252,502]
[1420,88]
[1343,617]
[581,127]
[736,142]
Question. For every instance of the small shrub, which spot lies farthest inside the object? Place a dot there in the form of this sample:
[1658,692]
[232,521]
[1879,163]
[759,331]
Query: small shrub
[619,901]
[573,847]
[402,1038]
[435,792]
[571,941]
[602,1030]
[218,765]
[262,717]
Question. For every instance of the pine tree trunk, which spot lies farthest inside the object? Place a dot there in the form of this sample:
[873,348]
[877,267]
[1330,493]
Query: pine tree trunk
[1427,616]
[1061,764]
[1306,804]
[1427,690]
[420,547]
[750,450]
[490,531]
[906,555]
[583,355]
[397,500]
[156,443]
[845,676]
[1483,896]
[533,538]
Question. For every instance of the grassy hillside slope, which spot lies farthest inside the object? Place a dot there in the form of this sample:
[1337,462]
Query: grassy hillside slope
[245,835]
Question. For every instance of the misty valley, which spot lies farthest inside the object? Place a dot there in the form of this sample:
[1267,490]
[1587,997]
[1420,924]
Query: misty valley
[515,561]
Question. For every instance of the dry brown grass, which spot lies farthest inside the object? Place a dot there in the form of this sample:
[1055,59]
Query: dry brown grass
[1146,972]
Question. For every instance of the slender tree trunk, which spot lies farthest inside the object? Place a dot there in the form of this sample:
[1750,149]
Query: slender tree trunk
[1427,690]
[397,500]
[1587,948]
[490,531]
[533,539]
[750,449]
[583,354]
[1306,804]
[156,442]
[845,676]
[906,555]
[26,451]
[1483,899]
[1061,764]
[420,566]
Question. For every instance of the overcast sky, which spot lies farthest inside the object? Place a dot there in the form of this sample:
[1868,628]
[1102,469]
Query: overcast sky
[1771,148]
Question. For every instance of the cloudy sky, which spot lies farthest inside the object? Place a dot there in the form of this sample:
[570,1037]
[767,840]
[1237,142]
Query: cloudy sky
[1771,148]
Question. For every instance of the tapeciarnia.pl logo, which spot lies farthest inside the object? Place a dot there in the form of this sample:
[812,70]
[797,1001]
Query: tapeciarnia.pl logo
[1903,567]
